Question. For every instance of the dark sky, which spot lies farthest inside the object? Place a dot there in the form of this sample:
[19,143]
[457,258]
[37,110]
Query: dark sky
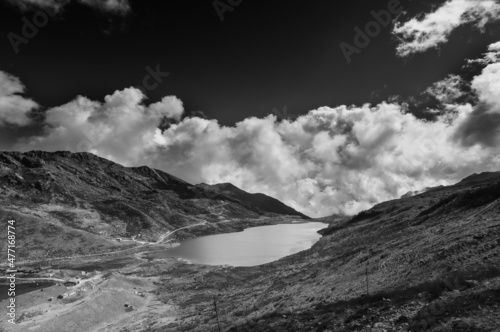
[263,55]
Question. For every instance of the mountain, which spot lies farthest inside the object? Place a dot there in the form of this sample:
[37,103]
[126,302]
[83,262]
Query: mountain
[481,177]
[429,262]
[470,180]
[261,201]
[413,193]
[78,202]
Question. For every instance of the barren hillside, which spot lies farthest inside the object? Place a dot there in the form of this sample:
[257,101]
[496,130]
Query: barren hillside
[67,203]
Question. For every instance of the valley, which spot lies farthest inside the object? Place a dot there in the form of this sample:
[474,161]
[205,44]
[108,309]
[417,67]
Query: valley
[425,262]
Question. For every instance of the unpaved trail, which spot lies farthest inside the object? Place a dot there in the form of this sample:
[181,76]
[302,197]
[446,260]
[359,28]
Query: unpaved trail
[164,236]
[142,244]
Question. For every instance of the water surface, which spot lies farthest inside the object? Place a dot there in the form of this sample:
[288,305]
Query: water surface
[253,246]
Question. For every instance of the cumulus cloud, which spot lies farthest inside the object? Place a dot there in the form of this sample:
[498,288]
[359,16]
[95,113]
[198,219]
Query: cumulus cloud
[118,129]
[14,108]
[488,84]
[483,126]
[330,160]
[111,6]
[421,34]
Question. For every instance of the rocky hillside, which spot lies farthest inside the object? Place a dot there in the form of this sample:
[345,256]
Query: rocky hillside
[77,202]
[430,262]
[481,177]
[263,202]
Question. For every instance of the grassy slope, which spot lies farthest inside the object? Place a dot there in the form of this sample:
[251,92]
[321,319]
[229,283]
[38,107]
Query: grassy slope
[74,203]
[432,262]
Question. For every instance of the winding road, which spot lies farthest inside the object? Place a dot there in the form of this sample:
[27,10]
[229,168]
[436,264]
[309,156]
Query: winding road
[164,236]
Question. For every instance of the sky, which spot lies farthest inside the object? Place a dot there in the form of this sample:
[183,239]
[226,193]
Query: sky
[330,108]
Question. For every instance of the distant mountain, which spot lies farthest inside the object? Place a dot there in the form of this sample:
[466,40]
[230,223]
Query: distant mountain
[77,202]
[413,193]
[261,201]
[418,192]
[472,179]
[481,177]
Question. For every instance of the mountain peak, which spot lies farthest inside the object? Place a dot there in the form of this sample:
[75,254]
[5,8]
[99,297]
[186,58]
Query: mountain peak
[261,201]
[480,177]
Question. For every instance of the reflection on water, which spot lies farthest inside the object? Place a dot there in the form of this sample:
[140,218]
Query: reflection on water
[253,246]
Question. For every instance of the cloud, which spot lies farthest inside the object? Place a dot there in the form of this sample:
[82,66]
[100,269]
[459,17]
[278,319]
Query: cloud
[168,107]
[483,125]
[120,7]
[14,109]
[487,84]
[330,160]
[448,90]
[113,6]
[421,34]
[117,129]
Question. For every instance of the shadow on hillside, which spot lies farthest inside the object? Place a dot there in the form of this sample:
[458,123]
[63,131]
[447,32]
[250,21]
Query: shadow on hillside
[351,314]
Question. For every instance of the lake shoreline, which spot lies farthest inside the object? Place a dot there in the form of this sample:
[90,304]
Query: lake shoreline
[250,246]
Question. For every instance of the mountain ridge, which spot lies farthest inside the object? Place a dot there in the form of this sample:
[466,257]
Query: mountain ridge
[262,201]
[82,192]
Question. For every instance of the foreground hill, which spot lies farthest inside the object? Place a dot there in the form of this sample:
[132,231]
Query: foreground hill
[68,203]
[481,177]
[263,202]
[430,262]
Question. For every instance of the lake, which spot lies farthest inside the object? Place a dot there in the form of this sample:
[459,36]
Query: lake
[253,246]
